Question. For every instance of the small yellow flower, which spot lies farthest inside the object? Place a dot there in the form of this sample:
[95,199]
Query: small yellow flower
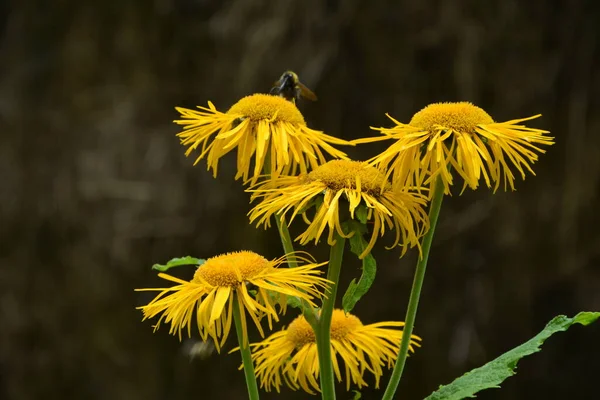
[261,126]
[223,279]
[343,186]
[290,355]
[459,136]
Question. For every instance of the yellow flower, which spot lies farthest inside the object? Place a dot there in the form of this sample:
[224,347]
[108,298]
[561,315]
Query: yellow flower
[290,355]
[459,136]
[226,278]
[261,126]
[337,189]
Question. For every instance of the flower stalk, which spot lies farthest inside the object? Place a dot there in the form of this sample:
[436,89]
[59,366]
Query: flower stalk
[245,351]
[288,248]
[415,294]
[286,240]
[323,331]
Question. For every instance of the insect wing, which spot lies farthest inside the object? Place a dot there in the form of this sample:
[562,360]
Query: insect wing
[306,92]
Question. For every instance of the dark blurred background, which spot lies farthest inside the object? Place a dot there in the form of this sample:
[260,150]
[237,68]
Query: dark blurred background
[95,187]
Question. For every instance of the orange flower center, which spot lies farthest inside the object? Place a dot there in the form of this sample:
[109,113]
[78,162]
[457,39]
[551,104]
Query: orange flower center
[300,332]
[231,269]
[346,174]
[460,117]
[258,107]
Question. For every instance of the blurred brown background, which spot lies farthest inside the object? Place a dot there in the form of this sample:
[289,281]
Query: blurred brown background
[95,187]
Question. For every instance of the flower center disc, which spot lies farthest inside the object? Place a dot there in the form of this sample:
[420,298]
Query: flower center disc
[231,269]
[343,324]
[267,107]
[343,174]
[460,117]
[300,333]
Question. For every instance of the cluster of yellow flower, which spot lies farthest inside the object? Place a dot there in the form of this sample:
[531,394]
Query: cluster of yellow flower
[284,163]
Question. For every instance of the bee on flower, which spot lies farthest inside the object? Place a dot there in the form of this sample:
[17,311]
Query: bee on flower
[290,88]
[266,129]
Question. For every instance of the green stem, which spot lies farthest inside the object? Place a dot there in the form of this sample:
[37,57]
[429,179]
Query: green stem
[288,248]
[415,294]
[324,324]
[286,239]
[245,351]
[284,233]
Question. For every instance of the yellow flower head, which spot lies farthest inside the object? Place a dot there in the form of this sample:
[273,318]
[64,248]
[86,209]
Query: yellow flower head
[337,189]
[459,136]
[230,277]
[261,126]
[290,355]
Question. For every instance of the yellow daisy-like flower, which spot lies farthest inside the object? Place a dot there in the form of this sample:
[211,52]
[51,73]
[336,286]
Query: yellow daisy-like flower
[261,126]
[459,136]
[226,278]
[290,355]
[337,189]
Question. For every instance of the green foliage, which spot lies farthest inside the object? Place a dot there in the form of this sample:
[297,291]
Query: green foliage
[177,262]
[356,290]
[357,395]
[295,302]
[362,212]
[315,202]
[495,372]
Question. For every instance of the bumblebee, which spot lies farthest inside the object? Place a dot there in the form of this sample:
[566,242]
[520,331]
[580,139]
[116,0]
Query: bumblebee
[290,88]
[196,349]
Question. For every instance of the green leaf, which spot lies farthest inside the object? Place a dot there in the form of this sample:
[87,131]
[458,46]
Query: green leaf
[312,203]
[362,213]
[492,374]
[291,301]
[295,302]
[356,290]
[177,262]
[357,395]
